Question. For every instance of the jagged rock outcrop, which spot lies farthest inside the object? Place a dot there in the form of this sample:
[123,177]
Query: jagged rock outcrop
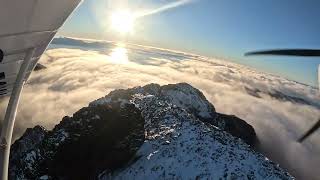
[95,139]
[238,128]
[150,132]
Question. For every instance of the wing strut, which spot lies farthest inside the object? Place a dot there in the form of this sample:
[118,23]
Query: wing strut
[9,119]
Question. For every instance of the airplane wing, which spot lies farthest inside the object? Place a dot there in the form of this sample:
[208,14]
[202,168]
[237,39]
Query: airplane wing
[26,29]
[24,25]
[294,52]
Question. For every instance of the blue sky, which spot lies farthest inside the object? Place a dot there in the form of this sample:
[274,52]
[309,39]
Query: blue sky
[216,28]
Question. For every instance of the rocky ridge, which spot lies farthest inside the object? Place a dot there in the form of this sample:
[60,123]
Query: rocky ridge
[149,132]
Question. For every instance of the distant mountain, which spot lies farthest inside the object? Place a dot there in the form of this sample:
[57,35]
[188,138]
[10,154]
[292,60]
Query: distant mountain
[150,132]
[79,42]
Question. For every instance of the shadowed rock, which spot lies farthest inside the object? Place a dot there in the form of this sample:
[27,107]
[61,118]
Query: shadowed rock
[39,67]
[96,138]
[238,128]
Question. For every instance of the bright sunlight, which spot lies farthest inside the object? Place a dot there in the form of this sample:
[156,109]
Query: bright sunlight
[119,55]
[122,21]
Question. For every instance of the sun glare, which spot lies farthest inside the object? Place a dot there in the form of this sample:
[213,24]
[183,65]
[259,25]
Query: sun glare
[119,55]
[122,21]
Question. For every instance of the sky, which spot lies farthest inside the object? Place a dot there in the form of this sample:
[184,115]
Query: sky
[215,28]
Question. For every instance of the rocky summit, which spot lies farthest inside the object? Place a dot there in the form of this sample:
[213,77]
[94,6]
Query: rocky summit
[149,132]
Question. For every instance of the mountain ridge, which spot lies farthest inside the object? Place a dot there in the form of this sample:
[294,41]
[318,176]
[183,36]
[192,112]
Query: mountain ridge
[177,135]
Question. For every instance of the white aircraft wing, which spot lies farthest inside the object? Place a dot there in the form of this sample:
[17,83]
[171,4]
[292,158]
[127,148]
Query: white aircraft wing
[25,25]
[26,29]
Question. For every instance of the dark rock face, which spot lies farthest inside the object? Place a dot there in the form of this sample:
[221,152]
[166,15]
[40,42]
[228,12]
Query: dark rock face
[238,128]
[39,67]
[95,139]
[19,160]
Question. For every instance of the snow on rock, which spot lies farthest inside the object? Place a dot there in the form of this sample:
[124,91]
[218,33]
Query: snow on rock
[187,97]
[149,132]
[181,144]
[184,96]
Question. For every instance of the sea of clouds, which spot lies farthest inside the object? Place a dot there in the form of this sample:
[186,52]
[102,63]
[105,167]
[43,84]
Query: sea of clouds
[80,71]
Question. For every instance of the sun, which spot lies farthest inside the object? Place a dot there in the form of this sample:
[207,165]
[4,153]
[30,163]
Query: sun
[122,21]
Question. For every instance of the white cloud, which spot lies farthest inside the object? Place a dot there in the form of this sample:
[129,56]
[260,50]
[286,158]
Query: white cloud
[75,77]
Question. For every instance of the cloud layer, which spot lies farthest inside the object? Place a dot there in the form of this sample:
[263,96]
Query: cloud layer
[279,109]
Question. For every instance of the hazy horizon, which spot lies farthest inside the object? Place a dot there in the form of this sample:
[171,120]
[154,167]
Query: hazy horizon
[252,66]
[223,29]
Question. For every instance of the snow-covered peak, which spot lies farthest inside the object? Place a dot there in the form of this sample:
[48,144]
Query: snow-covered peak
[180,146]
[182,95]
[188,98]
[149,132]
